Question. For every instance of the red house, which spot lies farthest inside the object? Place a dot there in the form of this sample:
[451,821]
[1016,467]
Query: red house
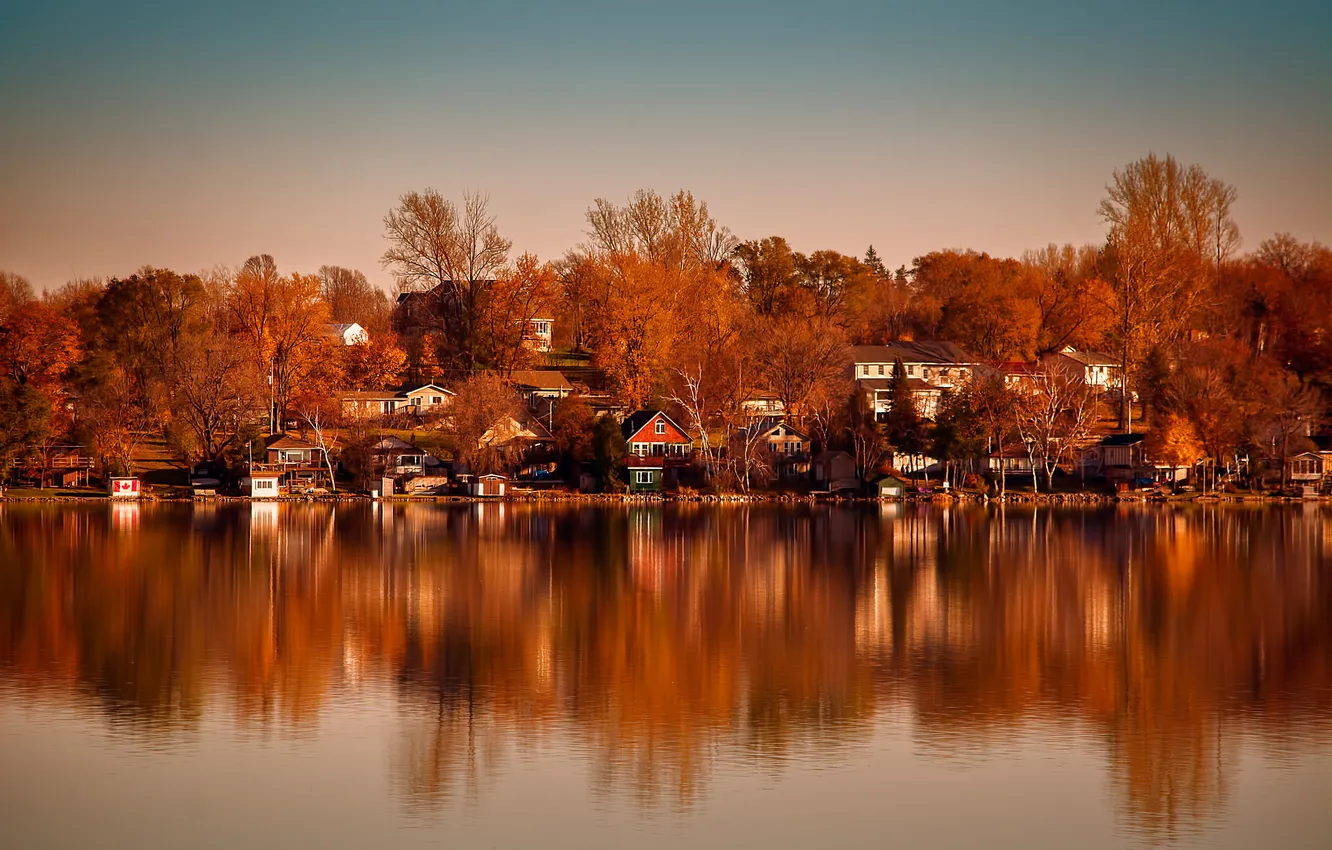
[651,433]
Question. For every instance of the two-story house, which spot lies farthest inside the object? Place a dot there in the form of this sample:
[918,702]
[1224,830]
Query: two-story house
[931,367]
[1093,368]
[658,449]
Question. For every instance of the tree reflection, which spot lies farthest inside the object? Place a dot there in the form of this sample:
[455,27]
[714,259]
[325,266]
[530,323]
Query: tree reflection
[664,640]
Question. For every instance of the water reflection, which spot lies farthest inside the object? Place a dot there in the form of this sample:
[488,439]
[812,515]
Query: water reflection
[665,643]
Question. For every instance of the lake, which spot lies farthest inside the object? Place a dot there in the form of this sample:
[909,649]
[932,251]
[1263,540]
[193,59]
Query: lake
[514,675]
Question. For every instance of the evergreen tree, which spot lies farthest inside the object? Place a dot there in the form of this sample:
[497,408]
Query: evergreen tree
[875,263]
[903,425]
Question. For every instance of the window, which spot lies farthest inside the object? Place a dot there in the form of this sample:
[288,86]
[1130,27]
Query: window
[642,476]
[437,399]
[864,370]
[911,370]
[880,368]
[661,426]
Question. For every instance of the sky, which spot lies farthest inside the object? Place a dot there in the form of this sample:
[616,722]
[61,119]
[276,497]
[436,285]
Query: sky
[189,135]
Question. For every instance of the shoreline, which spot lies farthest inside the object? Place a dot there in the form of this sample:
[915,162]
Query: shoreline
[1069,499]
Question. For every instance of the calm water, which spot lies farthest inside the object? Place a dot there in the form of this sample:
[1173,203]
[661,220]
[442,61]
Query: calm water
[513,676]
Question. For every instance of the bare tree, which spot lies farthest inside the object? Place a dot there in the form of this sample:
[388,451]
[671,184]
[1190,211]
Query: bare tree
[481,418]
[1286,418]
[325,434]
[1169,227]
[455,255]
[1055,420]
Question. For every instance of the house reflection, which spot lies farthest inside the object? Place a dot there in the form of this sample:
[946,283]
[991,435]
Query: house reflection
[662,641]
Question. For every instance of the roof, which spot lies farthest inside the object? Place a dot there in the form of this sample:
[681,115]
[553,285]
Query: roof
[1123,439]
[286,441]
[932,351]
[423,387]
[1015,367]
[765,428]
[370,395]
[1091,358]
[635,422]
[343,327]
[541,379]
[392,442]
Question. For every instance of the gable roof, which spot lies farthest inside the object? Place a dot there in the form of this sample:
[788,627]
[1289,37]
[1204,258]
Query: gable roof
[639,419]
[931,351]
[541,379]
[1090,358]
[764,428]
[286,441]
[423,387]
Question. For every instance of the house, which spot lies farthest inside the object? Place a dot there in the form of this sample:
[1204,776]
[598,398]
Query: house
[396,457]
[1018,375]
[370,404]
[1010,461]
[298,463]
[763,406]
[834,471]
[786,445]
[54,465]
[538,334]
[652,433]
[941,364]
[879,391]
[417,401]
[425,399]
[1305,468]
[123,487]
[1093,368]
[537,385]
[1123,458]
[347,333]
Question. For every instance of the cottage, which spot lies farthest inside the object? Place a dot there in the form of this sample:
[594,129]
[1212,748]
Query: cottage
[1123,458]
[764,406]
[538,385]
[396,457]
[298,463]
[424,399]
[878,395]
[652,433]
[1305,468]
[786,445]
[370,404]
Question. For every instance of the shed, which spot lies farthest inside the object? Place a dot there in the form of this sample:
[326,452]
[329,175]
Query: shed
[381,487]
[261,485]
[888,487]
[123,487]
[490,484]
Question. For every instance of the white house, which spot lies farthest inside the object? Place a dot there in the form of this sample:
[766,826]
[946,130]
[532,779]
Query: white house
[539,334]
[941,364]
[1092,368]
[425,398]
[348,333]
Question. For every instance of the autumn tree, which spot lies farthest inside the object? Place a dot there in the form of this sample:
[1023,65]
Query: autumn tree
[452,254]
[768,271]
[1170,226]
[377,364]
[1072,302]
[481,418]
[1175,441]
[15,290]
[520,293]
[352,298]
[283,320]
[1285,418]
[216,389]
[794,358]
